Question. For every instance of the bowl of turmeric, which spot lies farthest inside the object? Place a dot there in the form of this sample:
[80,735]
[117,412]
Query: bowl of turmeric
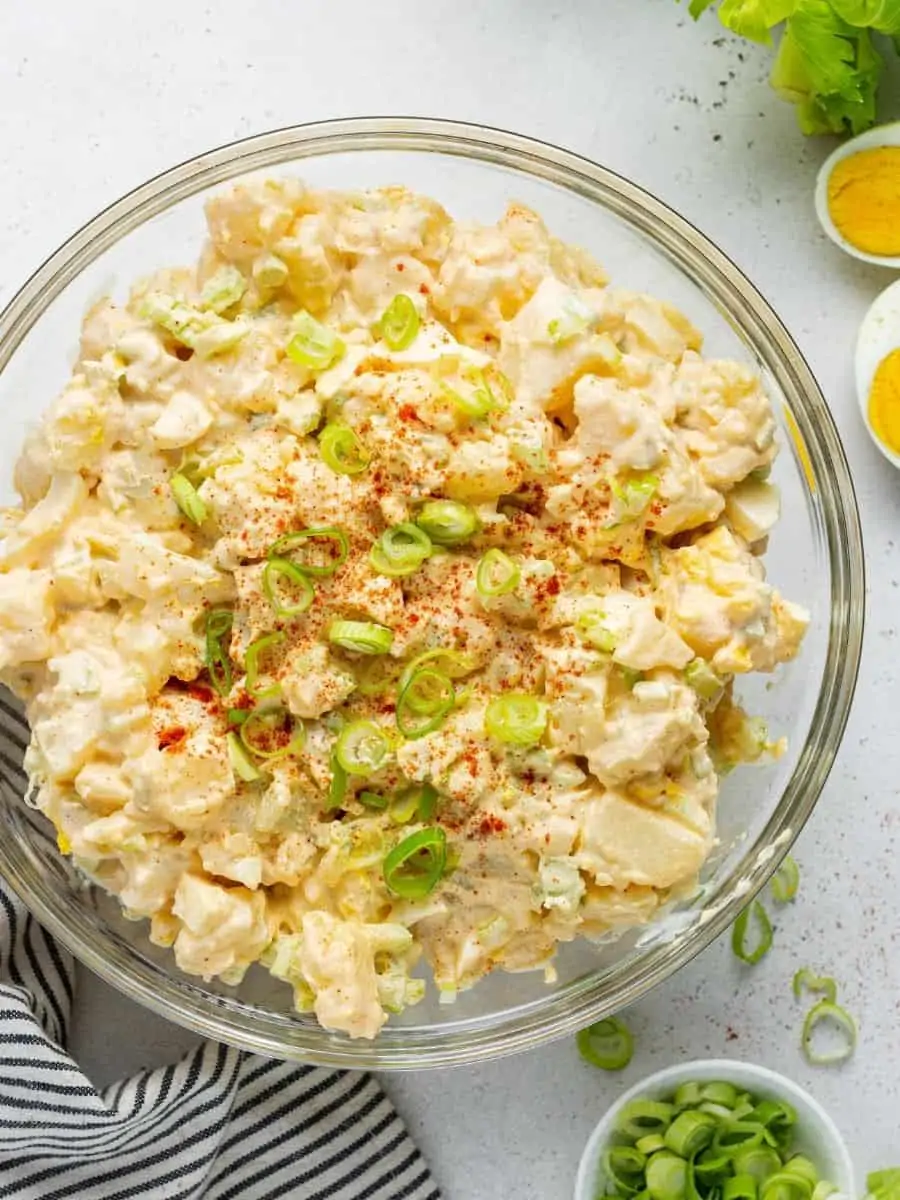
[858,196]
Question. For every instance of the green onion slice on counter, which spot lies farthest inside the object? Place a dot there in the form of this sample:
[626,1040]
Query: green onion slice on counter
[447,522]
[342,450]
[314,345]
[361,748]
[324,549]
[415,866]
[497,574]
[516,719]
[606,1044]
[835,1016]
[399,323]
[255,651]
[401,550]
[362,637]
[302,591]
[219,622]
[272,733]
[786,881]
[188,499]
[805,979]
[743,949]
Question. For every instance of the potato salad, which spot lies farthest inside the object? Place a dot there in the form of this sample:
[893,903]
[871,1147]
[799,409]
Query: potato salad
[376,597]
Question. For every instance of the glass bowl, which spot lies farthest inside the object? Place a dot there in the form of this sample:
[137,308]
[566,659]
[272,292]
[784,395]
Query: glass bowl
[815,557]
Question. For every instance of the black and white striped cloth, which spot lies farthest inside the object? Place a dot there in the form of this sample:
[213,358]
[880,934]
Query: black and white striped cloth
[220,1124]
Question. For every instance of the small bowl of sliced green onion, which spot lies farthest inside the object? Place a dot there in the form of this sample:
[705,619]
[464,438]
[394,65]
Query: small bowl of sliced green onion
[716,1130]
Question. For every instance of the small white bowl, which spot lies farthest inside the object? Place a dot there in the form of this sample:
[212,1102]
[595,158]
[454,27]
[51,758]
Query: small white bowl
[817,1135]
[872,139]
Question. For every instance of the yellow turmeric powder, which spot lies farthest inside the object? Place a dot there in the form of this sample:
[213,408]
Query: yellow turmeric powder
[864,200]
[884,402]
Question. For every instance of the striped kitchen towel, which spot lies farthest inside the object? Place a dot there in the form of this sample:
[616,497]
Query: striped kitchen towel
[221,1124]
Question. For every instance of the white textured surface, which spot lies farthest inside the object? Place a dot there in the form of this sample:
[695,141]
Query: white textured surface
[96,96]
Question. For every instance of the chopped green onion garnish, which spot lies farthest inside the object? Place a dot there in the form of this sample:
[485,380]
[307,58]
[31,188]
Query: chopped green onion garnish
[754,954]
[447,522]
[237,716]
[272,733]
[342,450]
[399,323]
[821,984]
[633,496]
[576,317]
[786,881]
[641,1117]
[304,592]
[516,719]
[240,761]
[606,1044]
[401,550]
[666,1176]
[325,548]
[497,574]
[690,1133]
[218,663]
[188,499]
[476,404]
[362,637]
[373,800]
[700,676]
[314,345]
[593,628]
[449,662]
[414,867]
[223,290]
[337,788]
[251,664]
[826,1012]
[361,748]
[424,700]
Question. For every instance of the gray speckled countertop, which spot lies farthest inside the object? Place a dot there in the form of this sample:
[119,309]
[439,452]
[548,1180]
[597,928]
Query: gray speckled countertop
[688,114]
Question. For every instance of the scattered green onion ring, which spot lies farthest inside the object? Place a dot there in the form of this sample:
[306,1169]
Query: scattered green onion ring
[606,1044]
[262,726]
[361,747]
[288,543]
[188,499]
[401,550]
[826,1011]
[373,800]
[283,568]
[337,787]
[237,716]
[314,345]
[821,984]
[757,953]
[477,404]
[399,323]
[516,719]
[251,665]
[497,574]
[219,622]
[361,637]
[786,881]
[451,663]
[415,866]
[240,761]
[342,450]
[447,522]
[423,702]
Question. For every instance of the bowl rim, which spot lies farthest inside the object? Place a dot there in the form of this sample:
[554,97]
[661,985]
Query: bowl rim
[817,447]
[726,1068]
[870,139]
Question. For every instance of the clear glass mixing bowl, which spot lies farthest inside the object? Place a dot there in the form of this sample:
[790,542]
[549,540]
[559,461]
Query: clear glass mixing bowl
[815,557]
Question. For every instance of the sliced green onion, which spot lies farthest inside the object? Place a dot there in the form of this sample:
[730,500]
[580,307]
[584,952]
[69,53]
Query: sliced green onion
[700,676]
[342,450]
[576,318]
[240,761]
[666,1176]
[282,568]
[337,787]
[801,1166]
[883,1185]
[361,637]
[426,800]
[219,622]
[713,1166]
[822,984]
[824,1189]
[624,1168]
[251,665]
[739,1187]
[419,800]
[376,674]
[516,719]
[758,1161]
[361,747]
[401,550]
[650,1144]
[223,289]
[424,701]
[738,1136]
[690,1133]
[237,716]
[451,663]
[476,404]
[777,1116]
[782,1186]
[399,323]
[633,496]
[331,556]
[718,1092]
[642,1117]
[188,499]
[373,800]
[826,1012]
[271,733]
[497,574]
[414,867]
[447,522]
[593,628]
[754,954]
[786,881]
[688,1093]
[606,1044]
[313,345]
